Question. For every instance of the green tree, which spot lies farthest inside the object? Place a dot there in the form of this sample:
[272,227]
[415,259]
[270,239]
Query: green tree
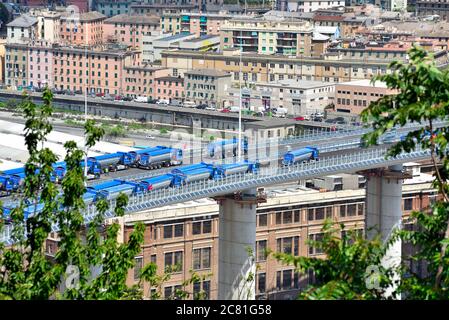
[423,97]
[90,248]
[5,17]
[344,273]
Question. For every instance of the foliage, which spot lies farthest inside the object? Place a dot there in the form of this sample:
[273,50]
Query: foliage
[343,273]
[163,131]
[423,97]
[89,262]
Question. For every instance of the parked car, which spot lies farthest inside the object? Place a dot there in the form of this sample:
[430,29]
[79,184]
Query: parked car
[211,108]
[149,136]
[300,118]
[108,97]
[189,104]
[152,101]
[78,92]
[163,101]
[99,94]
[140,99]
[70,93]
[225,110]
[201,106]
[127,99]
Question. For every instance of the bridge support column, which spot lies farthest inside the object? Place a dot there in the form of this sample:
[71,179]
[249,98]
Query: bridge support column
[384,210]
[237,238]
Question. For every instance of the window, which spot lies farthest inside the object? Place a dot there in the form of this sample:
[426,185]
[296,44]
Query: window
[262,220]
[287,279]
[315,237]
[408,204]
[137,267]
[278,217]
[199,227]
[261,247]
[176,230]
[153,258]
[173,261]
[201,294]
[261,282]
[288,245]
[201,258]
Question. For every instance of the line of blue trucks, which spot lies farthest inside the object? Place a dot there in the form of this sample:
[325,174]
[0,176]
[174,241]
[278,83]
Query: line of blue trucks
[175,178]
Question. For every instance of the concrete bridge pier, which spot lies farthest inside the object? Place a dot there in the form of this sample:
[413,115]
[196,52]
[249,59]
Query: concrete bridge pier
[384,209]
[236,245]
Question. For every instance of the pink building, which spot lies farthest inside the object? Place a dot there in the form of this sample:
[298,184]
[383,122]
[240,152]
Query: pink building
[355,96]
[104,68]
[90,25]
[129,29]
[83,5]
[139,79]
[168,88]
[40,65]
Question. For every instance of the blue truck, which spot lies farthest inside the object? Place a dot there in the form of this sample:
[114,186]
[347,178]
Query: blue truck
[222,171]
[135,155]
[182,177]
[300,155]
[157,182]
[108,162]
[159,158]
[227,147]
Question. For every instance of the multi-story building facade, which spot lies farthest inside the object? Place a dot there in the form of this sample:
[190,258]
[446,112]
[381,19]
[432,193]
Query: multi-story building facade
[355,96]
[22,29]
[207,86]
[187,234]
[40,65]
[104,68]
[333,67]
[267,36]
[197,23]
[139,79]
[16,65]
[88,29]
[168,88]
[130,29]
[313,5]
[433,7]
[159,9]
[298,97]
[112,8]
[49,23]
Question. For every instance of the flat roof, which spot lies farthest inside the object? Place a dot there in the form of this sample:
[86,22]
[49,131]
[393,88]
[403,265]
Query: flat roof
[208,72]
[202,38]
[303,84]
[177,36]
[134,19]
[365,83]
[168,78]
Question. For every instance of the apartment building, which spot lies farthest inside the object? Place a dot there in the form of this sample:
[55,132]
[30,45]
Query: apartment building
[168,88]
[191,22]
[104,68]
[299,97]
[130,29]
[433,7]
[159,9]
[139,80]
[112,8]
[257,68]
[353,97]
[207,86]
[16,65]
[313,5]
[40,65]
[267,36]
[22,29]
[87,29]
[49,25]
[187,235]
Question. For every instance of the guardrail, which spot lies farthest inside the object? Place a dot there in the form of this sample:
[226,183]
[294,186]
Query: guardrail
[360,160]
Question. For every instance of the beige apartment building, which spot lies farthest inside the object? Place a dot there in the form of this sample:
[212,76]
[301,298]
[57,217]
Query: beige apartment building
[207,86]
[199,24]
[264,68]
[139,79]
[187,234]
[267,36]
[353,97]
[130,29]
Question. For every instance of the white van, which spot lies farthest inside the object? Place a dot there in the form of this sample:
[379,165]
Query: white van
[140,99]
[163,101]
[234,109]
[280,112]
[189,104]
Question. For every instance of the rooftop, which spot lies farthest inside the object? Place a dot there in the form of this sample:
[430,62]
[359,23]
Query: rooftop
[303,84]
[168,78]
[177,36]
[202,38]
[86,16]
[134,19]
[365,83]
[208,72]
[23,21]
